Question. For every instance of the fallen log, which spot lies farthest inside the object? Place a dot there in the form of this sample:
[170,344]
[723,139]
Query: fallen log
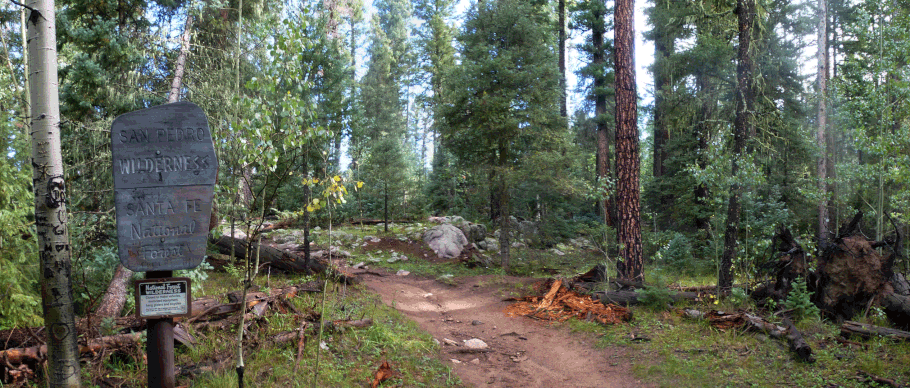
[17,364]
[798,345]
[270,256]
[725,321]
[897,308]
[866,330]
[631,298]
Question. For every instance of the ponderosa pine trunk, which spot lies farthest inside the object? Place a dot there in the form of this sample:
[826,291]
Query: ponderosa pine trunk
[628,200]
[743,126]
[822,121]
[50,198]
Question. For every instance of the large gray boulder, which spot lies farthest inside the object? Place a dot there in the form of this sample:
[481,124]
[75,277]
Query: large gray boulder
[474,232]
[446,240]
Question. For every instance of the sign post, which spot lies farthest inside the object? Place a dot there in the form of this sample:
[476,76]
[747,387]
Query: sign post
[164,169]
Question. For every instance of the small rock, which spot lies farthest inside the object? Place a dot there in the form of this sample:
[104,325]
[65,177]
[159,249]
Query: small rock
[449,342]
[402,272]
[454,361]
[359,265]
[475,361]
[558,252]
[427,295]
[475,343]
[476,322]
[323,345]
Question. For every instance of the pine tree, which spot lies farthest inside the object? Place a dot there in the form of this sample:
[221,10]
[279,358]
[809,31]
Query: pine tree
[743,128]
[384,122]
[503,94]
[628,199]
[591,16]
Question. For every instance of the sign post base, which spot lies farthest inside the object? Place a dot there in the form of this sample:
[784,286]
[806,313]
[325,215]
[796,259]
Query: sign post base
[160,345]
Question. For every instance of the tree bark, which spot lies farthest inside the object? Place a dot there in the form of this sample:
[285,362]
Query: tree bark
[742,128]
[663,48]
[561,35]
[631,298]
[177,82]
[50,198]
[307,193]
[600,117]
[866,330]
[114,297]
[708,99]
[822,121]
[269,256]
[505,214]
[627,158]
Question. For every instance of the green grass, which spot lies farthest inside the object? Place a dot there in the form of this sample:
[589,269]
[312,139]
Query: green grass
[688,353]
[352,357]
[681,352]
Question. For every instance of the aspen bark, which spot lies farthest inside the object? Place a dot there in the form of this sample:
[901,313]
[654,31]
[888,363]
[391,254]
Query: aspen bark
[821,137]
[50,198]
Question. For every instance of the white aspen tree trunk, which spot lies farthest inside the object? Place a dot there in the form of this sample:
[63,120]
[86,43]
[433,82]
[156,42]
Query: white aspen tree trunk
[821,136]
[50,198]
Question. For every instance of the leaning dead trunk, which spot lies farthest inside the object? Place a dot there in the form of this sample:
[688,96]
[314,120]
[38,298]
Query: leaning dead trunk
[50,198]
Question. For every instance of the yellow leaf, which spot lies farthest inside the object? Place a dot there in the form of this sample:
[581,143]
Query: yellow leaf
[337,178]
[310,208]
[315,201]
[315,180]
[359,184]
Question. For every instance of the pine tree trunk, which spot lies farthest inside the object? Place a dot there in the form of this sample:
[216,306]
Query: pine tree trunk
[385,209]
[742,128]
[628,198]
[600,116]
[563,109]
[821,138]
[708,99]
[50,198]
[505,215]
[663,48]
[505,228]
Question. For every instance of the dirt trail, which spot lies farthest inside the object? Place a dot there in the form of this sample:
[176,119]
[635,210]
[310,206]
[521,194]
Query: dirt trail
[522,352]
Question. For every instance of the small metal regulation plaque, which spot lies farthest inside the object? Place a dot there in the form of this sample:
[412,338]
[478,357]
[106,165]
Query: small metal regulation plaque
[164,169]
[163,298]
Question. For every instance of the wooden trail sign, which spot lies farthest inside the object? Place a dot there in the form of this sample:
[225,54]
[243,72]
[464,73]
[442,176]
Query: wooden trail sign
[164,168]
